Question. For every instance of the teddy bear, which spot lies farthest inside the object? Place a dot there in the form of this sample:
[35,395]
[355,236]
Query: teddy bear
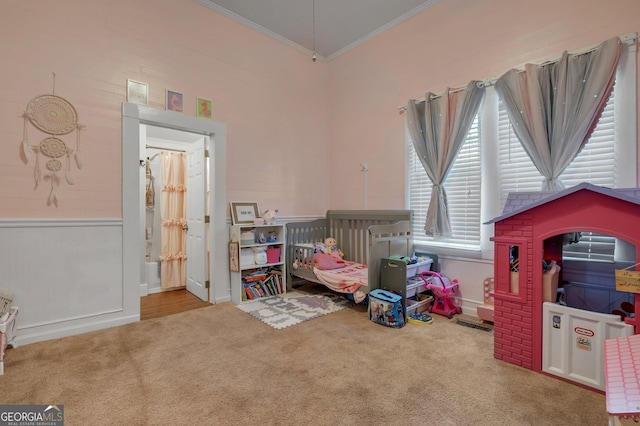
[269,217]
[332,248]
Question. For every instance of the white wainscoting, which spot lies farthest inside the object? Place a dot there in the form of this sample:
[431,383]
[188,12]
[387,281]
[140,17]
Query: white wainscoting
[66,276]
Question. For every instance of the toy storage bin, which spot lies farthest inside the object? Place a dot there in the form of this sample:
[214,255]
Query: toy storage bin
[419,303]
[273,255]
[385,308]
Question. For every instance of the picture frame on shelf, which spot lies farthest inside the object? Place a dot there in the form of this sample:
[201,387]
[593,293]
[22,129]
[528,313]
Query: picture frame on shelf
[173,101]
[234,256]
[137,92]
[244,213]
[204,108]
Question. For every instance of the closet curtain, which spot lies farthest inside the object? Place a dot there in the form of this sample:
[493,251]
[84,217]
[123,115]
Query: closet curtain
[438,128]
[173,238]
[555,107]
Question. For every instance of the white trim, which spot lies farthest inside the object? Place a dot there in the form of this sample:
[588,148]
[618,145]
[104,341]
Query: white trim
[626,104]
[134,117]
[59,223]
[71,319]
[30,335]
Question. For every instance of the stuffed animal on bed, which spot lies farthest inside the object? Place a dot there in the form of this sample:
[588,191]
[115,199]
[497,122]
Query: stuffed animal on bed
[332,248]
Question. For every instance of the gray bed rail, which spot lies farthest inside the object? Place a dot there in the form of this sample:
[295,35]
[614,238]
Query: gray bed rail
[364,236]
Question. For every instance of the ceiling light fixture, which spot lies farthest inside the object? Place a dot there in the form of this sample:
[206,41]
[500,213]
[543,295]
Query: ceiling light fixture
[314,57]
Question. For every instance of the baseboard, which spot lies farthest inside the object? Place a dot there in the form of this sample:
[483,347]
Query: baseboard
[28,335]
[223,299]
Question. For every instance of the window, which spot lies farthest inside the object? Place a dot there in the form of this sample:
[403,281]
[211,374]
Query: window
[463,193]
[492,163]
[593,163]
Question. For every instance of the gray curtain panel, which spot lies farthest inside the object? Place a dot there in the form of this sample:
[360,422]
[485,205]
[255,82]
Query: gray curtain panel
[438,127]
[555,107]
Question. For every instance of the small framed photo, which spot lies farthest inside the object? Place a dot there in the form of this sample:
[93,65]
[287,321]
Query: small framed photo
[234,256]
[204,108]
[244,213]
[174,101]
[137,92]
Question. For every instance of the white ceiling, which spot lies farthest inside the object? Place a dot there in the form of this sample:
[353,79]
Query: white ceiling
[340,25]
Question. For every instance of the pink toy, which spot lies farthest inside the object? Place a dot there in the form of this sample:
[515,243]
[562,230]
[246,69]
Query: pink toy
[485,312]
[443,292]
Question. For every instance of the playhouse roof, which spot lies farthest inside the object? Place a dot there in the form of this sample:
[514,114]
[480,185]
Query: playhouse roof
[518,202]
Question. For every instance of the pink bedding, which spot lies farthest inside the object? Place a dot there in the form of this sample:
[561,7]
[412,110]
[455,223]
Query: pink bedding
[347,279]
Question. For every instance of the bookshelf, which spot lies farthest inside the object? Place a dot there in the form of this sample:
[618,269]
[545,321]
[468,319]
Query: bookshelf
[260,270]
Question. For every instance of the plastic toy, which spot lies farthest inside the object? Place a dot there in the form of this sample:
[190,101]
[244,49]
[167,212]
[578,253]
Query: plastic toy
[419,318]
[485,311]
[444,291]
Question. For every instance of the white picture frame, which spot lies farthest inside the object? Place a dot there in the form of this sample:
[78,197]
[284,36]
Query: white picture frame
[137,92]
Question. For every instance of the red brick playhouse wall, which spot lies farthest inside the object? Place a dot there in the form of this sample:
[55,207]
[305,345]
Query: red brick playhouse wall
[518,316]
[513,320]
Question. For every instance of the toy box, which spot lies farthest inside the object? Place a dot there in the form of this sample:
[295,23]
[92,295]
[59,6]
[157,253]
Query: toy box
[385,307]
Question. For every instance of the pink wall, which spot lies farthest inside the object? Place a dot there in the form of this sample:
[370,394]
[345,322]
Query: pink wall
[447,45]
[271,96]
[297,130]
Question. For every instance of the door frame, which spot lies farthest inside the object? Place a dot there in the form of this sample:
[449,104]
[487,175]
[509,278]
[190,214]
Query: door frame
[133,167]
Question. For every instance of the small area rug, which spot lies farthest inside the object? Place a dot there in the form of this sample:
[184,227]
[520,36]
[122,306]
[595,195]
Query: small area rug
[294,307]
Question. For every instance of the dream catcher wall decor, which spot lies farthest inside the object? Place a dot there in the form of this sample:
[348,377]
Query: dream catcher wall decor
[54,116]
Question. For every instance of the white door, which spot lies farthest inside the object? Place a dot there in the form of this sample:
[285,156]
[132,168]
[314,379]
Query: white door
[573,342]
[196,240]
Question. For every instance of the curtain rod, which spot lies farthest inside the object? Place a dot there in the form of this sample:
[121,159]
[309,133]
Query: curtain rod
[165,149]
[627,39]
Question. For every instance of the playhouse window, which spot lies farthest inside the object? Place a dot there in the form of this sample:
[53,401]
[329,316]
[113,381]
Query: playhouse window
[511,271]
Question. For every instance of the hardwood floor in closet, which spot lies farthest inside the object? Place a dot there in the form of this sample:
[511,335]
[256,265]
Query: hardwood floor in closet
[168,303]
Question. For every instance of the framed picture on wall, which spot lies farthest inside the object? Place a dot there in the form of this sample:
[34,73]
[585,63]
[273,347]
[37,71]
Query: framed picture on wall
[137,92]
[244,213]
[174,101]
[204,108]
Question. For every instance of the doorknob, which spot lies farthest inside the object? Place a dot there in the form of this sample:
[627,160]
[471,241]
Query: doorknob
[185,227]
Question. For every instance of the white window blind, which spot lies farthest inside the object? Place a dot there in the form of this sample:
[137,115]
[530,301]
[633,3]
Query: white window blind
[463,193]
[594,164]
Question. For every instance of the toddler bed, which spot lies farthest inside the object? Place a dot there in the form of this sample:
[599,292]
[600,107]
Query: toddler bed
[364,237]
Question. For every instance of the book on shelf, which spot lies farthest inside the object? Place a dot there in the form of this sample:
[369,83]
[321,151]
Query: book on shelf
[269,282]
[249,294]
[262,282]
[265,288]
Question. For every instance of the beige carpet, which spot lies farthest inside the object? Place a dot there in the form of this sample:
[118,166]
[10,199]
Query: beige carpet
[220,366]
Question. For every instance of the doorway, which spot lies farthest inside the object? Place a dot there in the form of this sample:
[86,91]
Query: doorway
[166,147]
[136,120]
